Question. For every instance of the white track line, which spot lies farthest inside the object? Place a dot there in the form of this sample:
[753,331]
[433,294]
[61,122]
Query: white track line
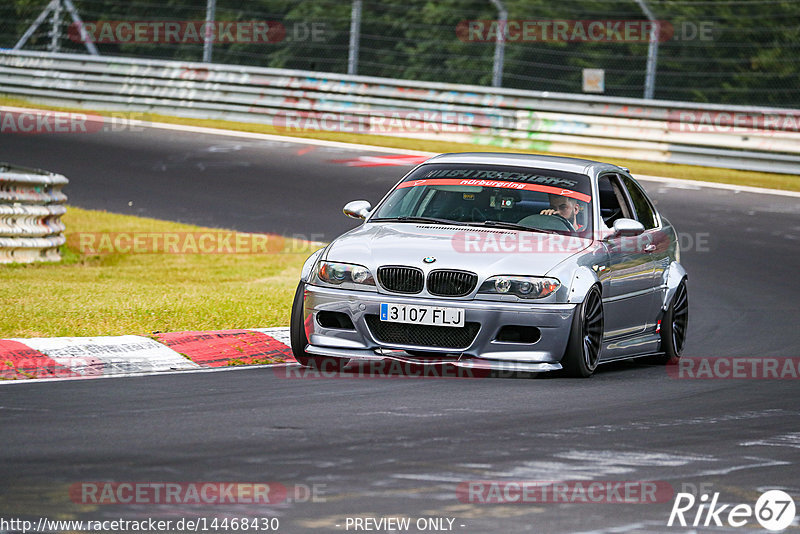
[387,150]
[231,133]
[714,185]
[354,147]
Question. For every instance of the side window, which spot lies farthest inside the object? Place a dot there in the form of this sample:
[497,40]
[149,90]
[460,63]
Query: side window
[613,204]
[644,210]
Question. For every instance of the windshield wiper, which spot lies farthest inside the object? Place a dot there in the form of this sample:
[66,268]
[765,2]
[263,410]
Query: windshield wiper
[513,226]
[432,220]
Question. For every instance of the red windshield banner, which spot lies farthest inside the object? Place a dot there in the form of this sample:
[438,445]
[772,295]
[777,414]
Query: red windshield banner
[519,186]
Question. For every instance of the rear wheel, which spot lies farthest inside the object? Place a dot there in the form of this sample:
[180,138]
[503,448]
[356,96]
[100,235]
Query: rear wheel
[297,334]
[586,338]
[673,327]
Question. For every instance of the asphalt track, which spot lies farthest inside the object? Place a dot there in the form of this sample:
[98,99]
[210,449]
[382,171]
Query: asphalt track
[399,446]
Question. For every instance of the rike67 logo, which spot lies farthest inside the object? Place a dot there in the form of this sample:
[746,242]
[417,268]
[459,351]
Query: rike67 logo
[774,510]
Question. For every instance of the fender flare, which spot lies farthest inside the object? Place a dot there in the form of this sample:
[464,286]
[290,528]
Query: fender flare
[675,275]
[582,281]
[305,273]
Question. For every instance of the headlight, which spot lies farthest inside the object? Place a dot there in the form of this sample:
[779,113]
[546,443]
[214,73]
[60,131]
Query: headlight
[526,287]
[336,273]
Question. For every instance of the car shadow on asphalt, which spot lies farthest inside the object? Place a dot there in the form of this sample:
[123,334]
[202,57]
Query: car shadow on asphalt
[389,369]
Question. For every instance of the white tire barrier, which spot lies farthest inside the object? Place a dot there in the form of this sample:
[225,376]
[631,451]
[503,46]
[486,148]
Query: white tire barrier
[31,206]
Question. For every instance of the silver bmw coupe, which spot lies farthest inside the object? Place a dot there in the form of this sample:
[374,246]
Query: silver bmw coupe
[511,262]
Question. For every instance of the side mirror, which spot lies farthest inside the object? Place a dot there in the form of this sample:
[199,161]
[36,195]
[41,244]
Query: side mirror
[359,209]
[627,228]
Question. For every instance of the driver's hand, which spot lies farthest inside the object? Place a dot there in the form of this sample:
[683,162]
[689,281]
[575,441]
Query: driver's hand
[549,211]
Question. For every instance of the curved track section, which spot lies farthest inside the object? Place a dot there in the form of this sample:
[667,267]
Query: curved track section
[401,446]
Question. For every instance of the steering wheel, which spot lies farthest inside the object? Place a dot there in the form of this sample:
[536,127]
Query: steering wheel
[565,221]
[456,214]
[460,214]
[480,215]
[611,217]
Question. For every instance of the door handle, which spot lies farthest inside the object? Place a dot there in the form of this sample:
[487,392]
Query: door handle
[649,248]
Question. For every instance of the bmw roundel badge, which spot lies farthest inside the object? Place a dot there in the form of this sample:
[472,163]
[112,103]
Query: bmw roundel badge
[429,259]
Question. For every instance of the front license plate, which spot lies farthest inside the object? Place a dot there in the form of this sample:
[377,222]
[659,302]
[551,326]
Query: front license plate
[431,315]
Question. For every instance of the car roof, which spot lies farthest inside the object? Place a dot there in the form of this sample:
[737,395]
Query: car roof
[557,163]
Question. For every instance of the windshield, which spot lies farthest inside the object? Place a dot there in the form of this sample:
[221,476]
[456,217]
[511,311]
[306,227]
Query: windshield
[535,199]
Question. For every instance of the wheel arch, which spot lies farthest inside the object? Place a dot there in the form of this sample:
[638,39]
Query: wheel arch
[305,273]
[675,275]
[582,281]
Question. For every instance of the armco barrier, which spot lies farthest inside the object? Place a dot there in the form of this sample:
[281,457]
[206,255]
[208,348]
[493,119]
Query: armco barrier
[31,206]
[736,137]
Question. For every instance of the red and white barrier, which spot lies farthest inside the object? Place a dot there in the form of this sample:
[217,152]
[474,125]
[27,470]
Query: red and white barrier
[89,357]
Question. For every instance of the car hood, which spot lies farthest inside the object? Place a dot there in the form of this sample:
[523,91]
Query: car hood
[485,251]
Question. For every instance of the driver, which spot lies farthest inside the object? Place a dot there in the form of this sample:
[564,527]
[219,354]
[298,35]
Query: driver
[566,207]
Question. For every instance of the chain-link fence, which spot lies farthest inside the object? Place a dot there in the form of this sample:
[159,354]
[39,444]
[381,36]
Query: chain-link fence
[723,51]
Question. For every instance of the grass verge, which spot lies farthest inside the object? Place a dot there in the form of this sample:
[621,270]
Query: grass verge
[131,293]
[686,172]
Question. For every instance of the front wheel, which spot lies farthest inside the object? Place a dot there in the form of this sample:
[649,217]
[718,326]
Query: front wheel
[586,338]
[297,335]
[673,327]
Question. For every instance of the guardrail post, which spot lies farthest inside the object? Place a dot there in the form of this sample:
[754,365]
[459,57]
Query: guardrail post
[652,52]
[208,38]
[55,30]
[355,32]
[499,44]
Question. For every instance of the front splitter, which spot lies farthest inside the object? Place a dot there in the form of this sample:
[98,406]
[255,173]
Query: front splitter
[458,361]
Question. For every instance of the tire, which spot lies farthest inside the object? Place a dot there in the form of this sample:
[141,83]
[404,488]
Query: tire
[586,337]
[673,327]
[297,335]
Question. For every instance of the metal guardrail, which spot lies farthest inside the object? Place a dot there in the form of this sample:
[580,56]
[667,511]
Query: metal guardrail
[736,137]
[31,206]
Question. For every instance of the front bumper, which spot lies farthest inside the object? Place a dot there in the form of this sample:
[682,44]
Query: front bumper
[484,352]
